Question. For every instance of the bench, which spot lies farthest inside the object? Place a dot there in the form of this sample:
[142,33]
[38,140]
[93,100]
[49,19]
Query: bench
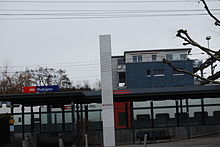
[154,135]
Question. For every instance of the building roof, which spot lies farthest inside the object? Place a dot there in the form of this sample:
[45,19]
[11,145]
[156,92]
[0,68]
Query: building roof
[159,50]
[117,56]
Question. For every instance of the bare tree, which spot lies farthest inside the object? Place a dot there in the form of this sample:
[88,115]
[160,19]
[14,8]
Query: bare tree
[12,82]
[49,76]
[214,55]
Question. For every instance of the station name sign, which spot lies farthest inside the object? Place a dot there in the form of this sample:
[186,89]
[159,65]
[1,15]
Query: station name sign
[40,89]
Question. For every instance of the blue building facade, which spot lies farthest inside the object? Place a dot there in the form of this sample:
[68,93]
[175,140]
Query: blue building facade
[158,74]
[145,69]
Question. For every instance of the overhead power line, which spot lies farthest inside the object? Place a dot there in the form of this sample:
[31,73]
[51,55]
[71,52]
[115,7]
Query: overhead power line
[76,64]
[102,2]
[80,12]
[107,16]
[113,10]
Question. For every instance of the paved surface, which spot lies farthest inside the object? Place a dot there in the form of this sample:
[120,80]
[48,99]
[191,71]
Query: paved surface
[210,141]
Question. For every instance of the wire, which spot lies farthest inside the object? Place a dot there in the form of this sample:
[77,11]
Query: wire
[100,12]
[106,11]
[65,63]
[101,2]
[105,17]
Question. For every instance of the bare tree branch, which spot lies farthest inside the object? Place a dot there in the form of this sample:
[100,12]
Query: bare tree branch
[213,77]
[189,73]
[188,40]
[217,22]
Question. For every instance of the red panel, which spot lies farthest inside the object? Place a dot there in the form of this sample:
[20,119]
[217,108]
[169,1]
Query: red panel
[124,91]
[29,89]
[118,108]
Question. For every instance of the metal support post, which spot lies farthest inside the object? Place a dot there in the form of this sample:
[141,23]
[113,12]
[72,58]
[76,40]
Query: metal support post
[132,120]
[49,117]
[23,131]
[73,121]
[177,114]
[32,120]
[63,118]
[40,118]
[145,140]
[188,123]
[86,140]
[203,111]
[81,117]
[86,119]
[77,124]
[181,106]
[152,113]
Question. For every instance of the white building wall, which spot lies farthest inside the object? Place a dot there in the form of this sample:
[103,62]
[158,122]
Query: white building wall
[147,55]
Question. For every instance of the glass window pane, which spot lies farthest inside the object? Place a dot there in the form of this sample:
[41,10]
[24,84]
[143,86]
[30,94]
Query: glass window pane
[141,104]
[142,118]
[212,101]
[154,57]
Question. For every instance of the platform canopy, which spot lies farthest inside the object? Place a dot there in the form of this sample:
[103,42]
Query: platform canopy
[142,94]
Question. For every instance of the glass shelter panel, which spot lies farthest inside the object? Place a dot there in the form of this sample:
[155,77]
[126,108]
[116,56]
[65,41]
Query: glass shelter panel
[142,118]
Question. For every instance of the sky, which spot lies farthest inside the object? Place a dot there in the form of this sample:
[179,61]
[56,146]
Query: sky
[65,34]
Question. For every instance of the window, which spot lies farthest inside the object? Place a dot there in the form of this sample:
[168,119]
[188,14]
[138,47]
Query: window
[137,58]
[154,57]
[121,76]
[148,73]
[183,56]
[121,61]
[169,56]
[159,72]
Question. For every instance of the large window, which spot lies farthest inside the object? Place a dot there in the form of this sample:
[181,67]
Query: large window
[137,58]
[159,72]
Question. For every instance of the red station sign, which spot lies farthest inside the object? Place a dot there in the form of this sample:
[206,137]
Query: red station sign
[29,89]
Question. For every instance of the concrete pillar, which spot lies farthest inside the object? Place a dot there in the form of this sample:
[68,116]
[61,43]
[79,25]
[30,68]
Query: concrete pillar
[107,94]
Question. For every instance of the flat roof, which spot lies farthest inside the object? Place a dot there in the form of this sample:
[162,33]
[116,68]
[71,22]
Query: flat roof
[140,94]
[155,50]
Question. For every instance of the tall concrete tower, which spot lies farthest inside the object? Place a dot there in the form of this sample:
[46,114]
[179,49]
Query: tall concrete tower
[107,94]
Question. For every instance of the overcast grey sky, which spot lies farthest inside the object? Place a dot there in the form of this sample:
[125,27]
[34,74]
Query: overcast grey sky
[72,43]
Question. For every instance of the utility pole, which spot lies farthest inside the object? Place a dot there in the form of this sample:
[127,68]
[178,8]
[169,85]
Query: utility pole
[212,68]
